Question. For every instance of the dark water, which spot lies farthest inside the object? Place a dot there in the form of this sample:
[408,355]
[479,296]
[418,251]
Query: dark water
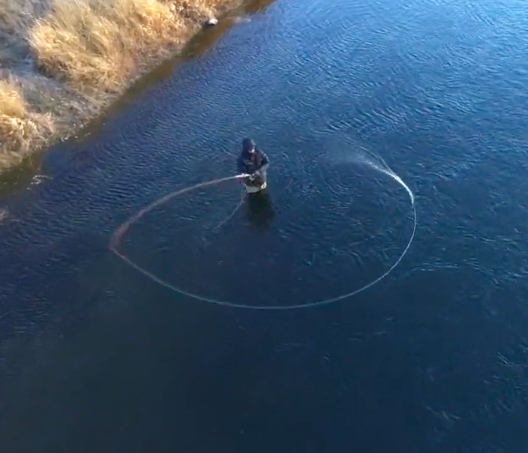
[97,358]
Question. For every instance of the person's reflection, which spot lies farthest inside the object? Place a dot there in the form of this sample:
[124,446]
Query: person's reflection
[259,210]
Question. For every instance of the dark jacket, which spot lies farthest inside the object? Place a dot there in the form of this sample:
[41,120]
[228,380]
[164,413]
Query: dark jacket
[247,163]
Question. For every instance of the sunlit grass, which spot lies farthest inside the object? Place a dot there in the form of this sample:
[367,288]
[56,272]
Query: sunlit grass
[20,128]
[100,44]
[65,60]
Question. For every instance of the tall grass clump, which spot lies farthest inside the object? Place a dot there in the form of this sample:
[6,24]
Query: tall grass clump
[64,61]
[100,44]
[20,128]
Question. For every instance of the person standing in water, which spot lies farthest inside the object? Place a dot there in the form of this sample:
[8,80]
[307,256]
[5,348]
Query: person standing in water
[255,163]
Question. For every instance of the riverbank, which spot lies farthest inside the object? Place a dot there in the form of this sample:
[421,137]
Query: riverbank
[63,62]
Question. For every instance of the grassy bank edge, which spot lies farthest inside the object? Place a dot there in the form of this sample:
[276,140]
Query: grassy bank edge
[69,60]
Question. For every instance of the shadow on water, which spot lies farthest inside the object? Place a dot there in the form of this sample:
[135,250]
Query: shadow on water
[260,211]
[21,176]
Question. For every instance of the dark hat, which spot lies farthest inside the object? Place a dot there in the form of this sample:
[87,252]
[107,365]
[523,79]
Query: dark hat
[248,144]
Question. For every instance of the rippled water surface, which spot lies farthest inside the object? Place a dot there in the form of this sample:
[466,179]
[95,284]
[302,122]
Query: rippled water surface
[94,356]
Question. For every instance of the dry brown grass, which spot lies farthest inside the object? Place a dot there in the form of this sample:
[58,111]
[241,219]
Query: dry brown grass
[20,128]
[64,61]
[101,44]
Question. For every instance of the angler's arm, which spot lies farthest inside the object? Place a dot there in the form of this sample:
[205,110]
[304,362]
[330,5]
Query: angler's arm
[265,162]
[241,167]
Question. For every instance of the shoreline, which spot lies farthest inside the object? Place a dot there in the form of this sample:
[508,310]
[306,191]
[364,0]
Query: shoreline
[66,62]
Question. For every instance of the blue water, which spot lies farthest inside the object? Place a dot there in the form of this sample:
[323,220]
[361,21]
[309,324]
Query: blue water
[96,357]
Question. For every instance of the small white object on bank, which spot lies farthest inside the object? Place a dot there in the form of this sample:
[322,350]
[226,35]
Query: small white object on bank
[211,21]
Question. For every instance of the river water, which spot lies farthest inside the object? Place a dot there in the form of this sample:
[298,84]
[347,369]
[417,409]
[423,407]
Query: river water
[433,358]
